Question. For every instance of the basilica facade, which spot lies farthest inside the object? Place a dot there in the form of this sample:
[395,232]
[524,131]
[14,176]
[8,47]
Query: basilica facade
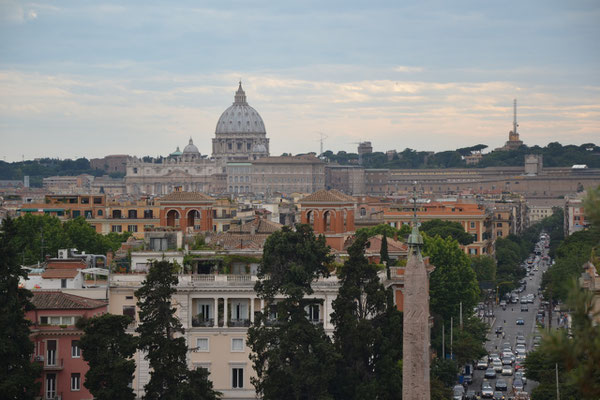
[240,136]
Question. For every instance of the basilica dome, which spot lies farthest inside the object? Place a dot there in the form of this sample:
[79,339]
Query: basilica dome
[240,117]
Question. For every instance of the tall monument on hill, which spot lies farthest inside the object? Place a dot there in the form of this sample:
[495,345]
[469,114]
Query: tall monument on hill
[416,358]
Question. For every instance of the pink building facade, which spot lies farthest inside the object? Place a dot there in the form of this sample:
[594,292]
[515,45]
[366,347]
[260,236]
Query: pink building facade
[56,340]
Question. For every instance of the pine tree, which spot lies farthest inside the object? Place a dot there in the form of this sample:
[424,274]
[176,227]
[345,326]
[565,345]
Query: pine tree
[108,349]
[294,359]
[161,336]
[17,372]
[368,332]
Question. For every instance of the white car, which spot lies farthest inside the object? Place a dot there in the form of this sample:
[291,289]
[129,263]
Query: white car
[507,370]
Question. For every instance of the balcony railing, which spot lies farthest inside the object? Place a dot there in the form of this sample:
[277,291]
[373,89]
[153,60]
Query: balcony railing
[316,321]
[239,323]
[200,321]
[55,366]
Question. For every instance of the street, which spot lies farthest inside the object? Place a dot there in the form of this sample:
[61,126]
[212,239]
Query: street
[507,319]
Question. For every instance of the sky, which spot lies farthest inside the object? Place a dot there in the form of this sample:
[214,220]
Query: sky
[93,78]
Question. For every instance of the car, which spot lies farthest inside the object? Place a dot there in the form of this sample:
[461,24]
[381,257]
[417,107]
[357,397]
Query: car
[507,370]
[523,299]
[458,392]
[486,390]
[497,365]
[499,330]
[492,357]
[537,339]
[482,364]
[518,385]
[524,307]
[520,348]
[507,361]
[499,395]
[520,340]
[471,395]
[521,375]
[501,385]
[467,379]
[520,322]
[490,373]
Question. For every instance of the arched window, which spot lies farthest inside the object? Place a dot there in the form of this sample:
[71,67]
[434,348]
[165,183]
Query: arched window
[327,221]
[310,218]
[173,218]
[193,218]
[363,211]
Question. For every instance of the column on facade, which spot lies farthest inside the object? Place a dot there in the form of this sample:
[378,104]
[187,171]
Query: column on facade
[251,309]
[216,312]
[325,316]
[225,312]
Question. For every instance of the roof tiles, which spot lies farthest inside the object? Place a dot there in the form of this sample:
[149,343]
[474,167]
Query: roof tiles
[56,300]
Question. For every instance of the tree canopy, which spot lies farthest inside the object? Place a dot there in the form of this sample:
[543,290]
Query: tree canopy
[40,235]
[447,229]
[108,349]
[293,358]
[17,372]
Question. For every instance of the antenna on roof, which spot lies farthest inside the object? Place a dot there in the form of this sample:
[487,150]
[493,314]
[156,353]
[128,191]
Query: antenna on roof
[323,137]
[515,125]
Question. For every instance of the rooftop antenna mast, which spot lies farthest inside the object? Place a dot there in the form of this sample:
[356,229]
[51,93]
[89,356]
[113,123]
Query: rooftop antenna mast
[515,125]
[323,137]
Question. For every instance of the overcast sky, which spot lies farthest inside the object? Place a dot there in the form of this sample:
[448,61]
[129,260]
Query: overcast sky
[92,78]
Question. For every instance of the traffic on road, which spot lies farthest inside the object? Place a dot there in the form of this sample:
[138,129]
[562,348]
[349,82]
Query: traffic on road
[514,331]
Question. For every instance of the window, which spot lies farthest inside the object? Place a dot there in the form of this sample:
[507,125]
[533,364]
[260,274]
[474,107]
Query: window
[75,381]
[132,228]
[116,228]
[499,233]
[51,352]
[473,251]
[130,311]
[237,378]
[148,214]
[135,170]
[50,386]
[202,345]
[237,345]
[75,350]
[76,213]
[472,225]
[499,224]
[100,213]
[63,283]
[97,200]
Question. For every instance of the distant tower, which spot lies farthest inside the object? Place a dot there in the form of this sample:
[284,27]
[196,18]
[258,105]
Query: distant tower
[415,363]
[514,134]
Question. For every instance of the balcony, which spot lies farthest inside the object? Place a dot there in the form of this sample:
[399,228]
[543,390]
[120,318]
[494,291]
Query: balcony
[200,321]
[239,323]
[316,321]
[52,365]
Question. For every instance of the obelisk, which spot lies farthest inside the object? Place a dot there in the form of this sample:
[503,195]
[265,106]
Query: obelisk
[415,363]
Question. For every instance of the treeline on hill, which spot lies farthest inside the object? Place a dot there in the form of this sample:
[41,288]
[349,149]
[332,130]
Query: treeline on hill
[571,254]
[554,155]
[38,236]
[45,167]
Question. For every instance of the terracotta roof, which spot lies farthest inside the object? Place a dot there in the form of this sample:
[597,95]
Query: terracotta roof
[394,246]
[328,196]
[261,226]
[59,273]
[186,196]
[230,241]
[66,264]
[61,301]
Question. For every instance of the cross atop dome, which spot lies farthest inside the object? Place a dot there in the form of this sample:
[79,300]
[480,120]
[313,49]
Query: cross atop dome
[240,96]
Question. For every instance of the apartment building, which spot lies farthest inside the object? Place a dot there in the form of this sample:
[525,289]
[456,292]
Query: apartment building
[575,219]
[56,340]
[216,311]
[474,218]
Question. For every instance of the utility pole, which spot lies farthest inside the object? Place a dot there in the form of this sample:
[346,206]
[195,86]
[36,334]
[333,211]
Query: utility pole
[557,391]
[443,341]
[451,342]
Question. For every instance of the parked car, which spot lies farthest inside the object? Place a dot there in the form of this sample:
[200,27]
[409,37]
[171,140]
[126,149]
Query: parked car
[482,364]
[458,392]
[524,307]
[520,322]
